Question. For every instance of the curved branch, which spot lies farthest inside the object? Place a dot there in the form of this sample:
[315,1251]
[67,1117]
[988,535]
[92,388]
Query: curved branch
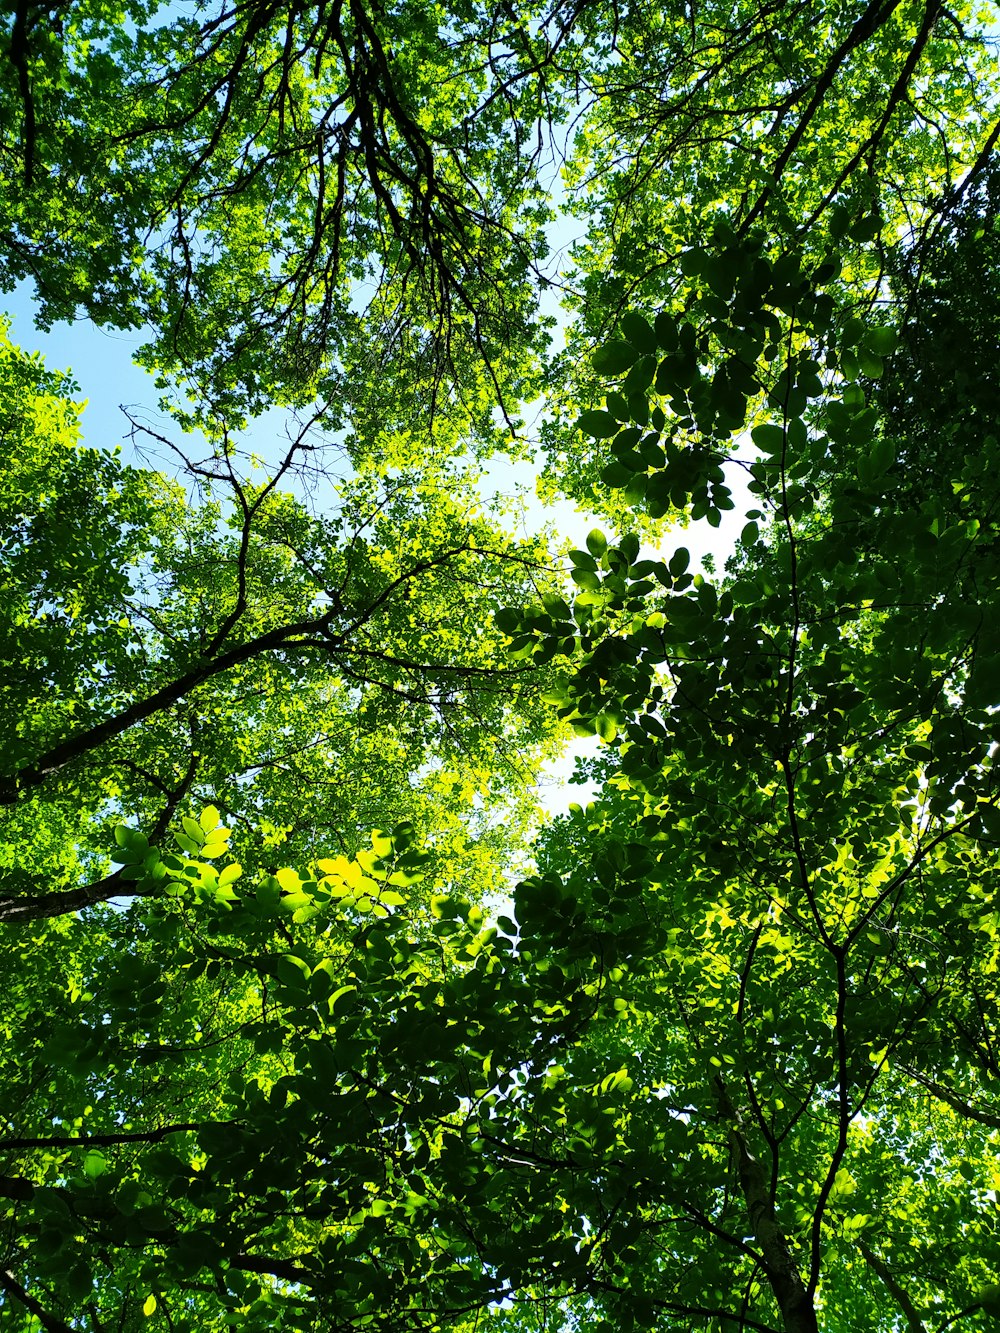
[40,906]
[49,1322]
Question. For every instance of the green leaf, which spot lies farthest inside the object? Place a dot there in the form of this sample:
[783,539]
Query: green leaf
[636,384]
[679,561]
[292,970]
[507,620]
[629,546]
[597,543]
[626,440]
[613,358]
[850,364]
[340,998]
[132,839]
[601,425]
[149,1305]
[881,341]
[193,830]
[94,1164]
[639,332]
[618,406]
[134,844]
[882,456]
[666,331]
[616,476]
[556,606]
[584,578]
[768,437]
[606,727]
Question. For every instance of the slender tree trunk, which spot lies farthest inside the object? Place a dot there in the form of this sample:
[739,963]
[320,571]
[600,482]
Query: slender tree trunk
[99,1141]
[21,908]
[794,1301]
[25,779]
[283,638]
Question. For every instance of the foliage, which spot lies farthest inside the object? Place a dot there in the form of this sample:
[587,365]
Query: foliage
[724,1056]
[305,671]
[805,820]
[938,395]
[852,128]
[291,196]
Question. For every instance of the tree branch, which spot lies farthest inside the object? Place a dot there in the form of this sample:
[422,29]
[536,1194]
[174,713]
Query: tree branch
[913,1320]
[108,1140]
[49,1322]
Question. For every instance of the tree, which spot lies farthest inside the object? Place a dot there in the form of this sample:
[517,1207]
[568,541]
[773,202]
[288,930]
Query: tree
[938,395]
[287,196]
[317,675]
[849,128]
[804,820]
[714,1050]
[724,1056]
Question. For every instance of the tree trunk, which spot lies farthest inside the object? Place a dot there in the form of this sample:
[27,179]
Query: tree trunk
[780,1268]
[794,1301]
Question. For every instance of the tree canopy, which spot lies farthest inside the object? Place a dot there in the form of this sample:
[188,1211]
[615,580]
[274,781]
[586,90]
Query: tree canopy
[312,1019]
